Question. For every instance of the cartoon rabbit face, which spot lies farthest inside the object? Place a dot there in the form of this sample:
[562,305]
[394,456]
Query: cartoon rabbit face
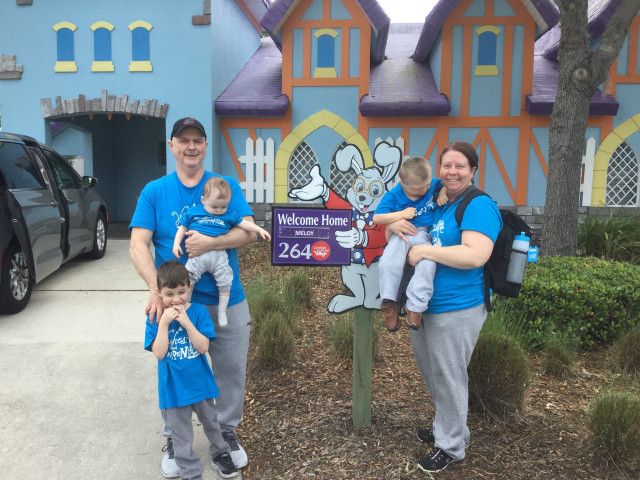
[366,190]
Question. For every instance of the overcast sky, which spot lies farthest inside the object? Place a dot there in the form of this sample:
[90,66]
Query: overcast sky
[407,11]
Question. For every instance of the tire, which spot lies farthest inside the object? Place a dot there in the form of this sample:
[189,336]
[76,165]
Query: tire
[16,284]
[99,238]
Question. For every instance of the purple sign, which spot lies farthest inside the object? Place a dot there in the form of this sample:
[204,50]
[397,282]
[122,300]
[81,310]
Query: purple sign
[307,236]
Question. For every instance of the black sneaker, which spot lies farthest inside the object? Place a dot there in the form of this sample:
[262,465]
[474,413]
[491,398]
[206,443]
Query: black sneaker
[436,461]
[426,435]
[224,465]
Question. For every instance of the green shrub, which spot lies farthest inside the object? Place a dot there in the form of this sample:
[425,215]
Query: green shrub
[275,346]
[297,286]
[506,319]
[266,296]
[613,238]
[498,375]
[558,358]
[340,334]
[589,299]
[625,353]
[614,423]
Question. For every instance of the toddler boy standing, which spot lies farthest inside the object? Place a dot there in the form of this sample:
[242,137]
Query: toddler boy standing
[180,341]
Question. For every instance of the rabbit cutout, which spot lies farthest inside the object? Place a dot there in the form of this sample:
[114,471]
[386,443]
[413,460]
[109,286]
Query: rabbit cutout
[365,239]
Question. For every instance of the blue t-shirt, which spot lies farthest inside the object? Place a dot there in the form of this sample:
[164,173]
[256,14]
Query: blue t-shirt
[184,374]
[160,206]
[454,288]
[396,200]
[198,219]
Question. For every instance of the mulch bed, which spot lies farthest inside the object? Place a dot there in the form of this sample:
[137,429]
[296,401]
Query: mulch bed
[297,420]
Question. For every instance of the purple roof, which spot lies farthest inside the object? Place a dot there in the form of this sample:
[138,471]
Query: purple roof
[548,16]
[545,86]
[400,87]
[279,11]
[545,66]
[256,95]
[599,13]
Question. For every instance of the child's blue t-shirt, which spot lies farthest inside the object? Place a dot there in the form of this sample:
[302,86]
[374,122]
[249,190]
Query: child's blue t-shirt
[396,200]
[454,288]
[184,374]
[198,219]
[160,206]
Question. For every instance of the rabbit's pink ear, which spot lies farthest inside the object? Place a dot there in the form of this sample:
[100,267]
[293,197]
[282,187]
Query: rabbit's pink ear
[388,157]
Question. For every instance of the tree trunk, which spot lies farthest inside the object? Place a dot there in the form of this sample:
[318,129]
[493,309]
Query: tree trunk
[581,71]
[566,133]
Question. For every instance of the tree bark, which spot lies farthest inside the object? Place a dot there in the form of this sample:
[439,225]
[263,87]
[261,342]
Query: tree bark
[581,71]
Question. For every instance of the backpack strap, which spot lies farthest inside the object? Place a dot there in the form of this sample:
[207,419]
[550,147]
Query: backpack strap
[469,194]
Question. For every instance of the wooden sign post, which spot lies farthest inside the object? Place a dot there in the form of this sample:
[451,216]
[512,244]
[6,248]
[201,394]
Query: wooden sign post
[362,361]
[307,236]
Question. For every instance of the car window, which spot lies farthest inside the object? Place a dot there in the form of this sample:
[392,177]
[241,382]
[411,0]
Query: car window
[17,169]
[66,176]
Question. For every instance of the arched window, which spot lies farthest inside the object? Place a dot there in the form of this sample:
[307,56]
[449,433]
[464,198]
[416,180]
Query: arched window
[300,164]
[622,178]
[325,53]
[102,47]
[65,61]
[140,47]
[486,64]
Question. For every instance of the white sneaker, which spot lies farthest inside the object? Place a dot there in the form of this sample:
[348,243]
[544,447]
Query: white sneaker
[238,455]
[169,466]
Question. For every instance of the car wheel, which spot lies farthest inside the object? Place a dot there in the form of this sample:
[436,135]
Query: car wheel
[99,238]
[16,283]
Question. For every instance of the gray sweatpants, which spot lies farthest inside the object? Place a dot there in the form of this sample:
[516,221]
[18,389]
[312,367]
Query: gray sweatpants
[442,348]
[179,421]
[420,288]
[229,362]
[228,354]
[215,262]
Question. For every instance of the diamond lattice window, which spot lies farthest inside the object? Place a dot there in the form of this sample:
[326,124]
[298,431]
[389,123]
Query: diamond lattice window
[300,165]
[622,178]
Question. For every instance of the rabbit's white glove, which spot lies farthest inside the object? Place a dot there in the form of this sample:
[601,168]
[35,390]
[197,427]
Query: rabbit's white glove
[351,238]
[316,188]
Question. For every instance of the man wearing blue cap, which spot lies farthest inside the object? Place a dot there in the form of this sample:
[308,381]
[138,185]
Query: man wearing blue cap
[156,220]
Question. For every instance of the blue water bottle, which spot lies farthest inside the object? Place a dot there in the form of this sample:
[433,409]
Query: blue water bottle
[533,254]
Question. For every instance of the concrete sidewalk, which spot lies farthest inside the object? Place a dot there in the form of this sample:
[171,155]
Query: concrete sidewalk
[78,392]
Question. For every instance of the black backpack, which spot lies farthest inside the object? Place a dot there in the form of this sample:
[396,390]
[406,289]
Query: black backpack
[495,270]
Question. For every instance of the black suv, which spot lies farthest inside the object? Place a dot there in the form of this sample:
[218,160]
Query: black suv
[48,215]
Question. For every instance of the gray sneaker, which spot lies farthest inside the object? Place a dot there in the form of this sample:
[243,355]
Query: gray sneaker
[224,465]
[239,456]
[169,466]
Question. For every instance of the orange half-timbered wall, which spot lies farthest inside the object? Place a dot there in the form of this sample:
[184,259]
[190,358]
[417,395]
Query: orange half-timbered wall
[358,24]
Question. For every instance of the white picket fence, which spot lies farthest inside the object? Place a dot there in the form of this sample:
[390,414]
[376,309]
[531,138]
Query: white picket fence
[587,173]
[259,159]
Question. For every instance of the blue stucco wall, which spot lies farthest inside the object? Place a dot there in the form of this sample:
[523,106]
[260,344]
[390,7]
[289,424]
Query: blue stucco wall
[176,79]
[192,65]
